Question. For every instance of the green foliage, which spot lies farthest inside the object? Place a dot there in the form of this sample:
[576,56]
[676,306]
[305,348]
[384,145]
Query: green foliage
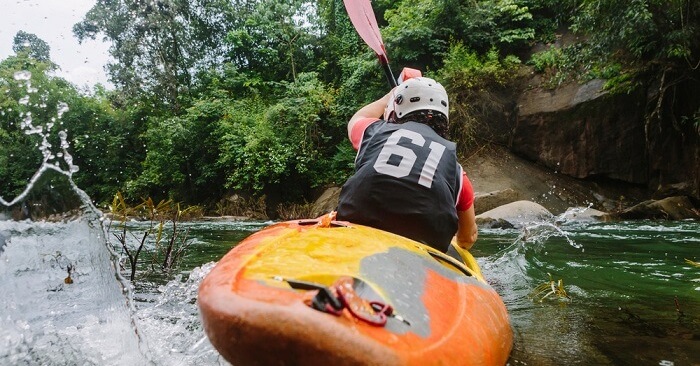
[253,96]
[28,110]
[471,81]
[557,65]
[642,30]
[169,248]
[102,141]
[181,157]
[34,46]
[283,143]
[643,35]
[155,45]
[420,32]
[275,41]
[515,17]
[236,205]
[547,60]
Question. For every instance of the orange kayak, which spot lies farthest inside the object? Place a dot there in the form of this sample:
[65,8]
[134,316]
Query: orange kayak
[316,292]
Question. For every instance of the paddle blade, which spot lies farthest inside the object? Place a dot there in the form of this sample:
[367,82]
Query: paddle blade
[362,17]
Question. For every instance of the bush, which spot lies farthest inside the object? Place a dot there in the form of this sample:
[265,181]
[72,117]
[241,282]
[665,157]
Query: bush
[472,82]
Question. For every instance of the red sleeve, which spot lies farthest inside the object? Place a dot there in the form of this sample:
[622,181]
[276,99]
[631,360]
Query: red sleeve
[466,195]
[358,129]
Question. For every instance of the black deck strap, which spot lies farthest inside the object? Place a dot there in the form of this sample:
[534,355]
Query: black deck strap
[457,264]
[325,295]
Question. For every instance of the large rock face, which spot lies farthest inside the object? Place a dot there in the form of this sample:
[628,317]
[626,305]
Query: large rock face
[584,132]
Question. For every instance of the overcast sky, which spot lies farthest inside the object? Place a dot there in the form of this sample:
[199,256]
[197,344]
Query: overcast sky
[52,21]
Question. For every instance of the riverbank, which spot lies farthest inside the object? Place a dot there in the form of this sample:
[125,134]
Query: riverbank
[493,170]
[500,177]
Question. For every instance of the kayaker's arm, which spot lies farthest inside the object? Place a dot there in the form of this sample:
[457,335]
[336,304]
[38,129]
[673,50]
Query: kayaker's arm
[372,110]
[467,229]
[466,216]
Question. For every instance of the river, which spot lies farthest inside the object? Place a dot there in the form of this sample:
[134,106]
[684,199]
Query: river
[633,298]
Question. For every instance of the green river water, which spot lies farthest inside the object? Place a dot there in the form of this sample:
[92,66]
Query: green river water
[633,297]
[633,293]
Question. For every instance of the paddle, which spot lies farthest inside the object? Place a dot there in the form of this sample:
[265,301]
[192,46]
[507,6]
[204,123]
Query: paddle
[365,23]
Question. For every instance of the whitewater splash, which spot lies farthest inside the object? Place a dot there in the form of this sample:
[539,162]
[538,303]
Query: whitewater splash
[62,298]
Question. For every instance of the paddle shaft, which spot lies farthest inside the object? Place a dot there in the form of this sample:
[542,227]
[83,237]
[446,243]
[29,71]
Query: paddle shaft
[387,71]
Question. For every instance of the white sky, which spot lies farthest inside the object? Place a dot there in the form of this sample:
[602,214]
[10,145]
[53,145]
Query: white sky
[52,21]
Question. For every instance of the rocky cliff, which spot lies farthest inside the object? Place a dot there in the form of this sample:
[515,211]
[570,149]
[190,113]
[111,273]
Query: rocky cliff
[587,133]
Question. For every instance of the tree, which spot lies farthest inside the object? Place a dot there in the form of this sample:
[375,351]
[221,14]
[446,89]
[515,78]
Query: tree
[644,30]
[181,161]
[419,33]
[634,42]
[276,40]
[158,45]
[34,46]
[31,107]
[281,146]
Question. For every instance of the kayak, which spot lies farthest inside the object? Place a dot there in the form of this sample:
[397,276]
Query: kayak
[323,292]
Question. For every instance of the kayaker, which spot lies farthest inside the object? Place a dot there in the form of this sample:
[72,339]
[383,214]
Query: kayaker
[407,179]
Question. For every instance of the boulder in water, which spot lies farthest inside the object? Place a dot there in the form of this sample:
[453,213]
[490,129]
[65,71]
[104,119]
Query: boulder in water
[516,214]
[488,201]
[586,214]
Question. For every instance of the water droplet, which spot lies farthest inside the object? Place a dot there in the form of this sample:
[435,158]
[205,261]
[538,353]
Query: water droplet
[23,75]
[62,108]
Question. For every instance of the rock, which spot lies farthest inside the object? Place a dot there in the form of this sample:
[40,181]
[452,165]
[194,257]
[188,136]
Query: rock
[517,214]
[585,214]
[584,131]
[671,208]
[488,201]
[490,223]
[327,202]
[671,190]
[535,101]
[581,131]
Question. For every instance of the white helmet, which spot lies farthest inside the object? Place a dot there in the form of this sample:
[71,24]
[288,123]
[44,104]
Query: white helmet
[416,94]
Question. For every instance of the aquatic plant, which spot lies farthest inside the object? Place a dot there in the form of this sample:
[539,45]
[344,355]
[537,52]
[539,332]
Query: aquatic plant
[121,211]
[169,248]
[695,264]
[553,289]
[295,211]
[253,207]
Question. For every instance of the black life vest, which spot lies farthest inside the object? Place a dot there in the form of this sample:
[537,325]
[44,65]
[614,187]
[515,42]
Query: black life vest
[407,180]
